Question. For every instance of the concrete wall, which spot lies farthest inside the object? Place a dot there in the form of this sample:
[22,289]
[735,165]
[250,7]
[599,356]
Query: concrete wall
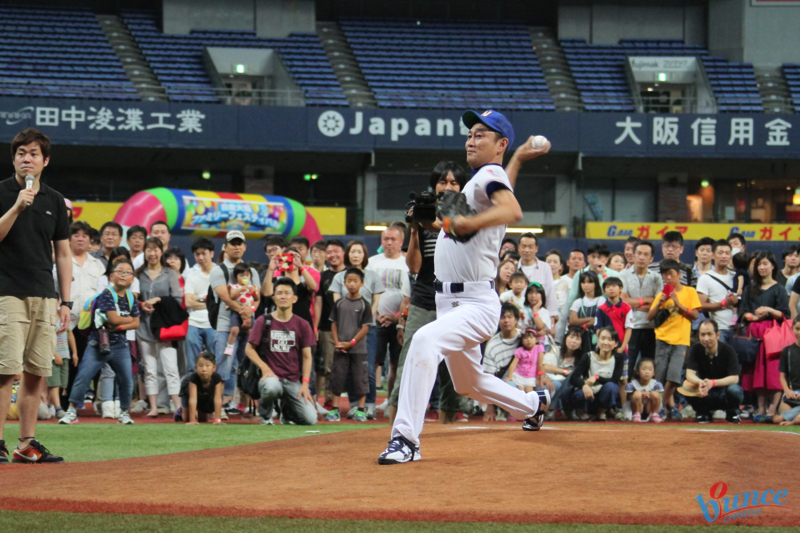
[268,18]
[608,21]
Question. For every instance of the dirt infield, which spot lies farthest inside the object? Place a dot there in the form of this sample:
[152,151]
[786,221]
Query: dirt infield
[570,473]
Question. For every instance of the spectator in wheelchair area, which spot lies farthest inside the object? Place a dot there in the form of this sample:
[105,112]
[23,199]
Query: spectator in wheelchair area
[789,368]
[712,376]
[277,351]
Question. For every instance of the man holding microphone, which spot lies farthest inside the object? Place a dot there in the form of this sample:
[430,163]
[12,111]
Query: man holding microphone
[33,221]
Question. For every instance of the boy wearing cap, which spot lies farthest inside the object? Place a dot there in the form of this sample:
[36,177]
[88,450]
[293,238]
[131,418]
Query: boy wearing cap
[466,305]
[219,278]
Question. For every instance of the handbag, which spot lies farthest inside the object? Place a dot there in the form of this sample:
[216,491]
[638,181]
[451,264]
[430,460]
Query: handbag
[661,316]
[249,376]
[177,332]
[746,347]
[778,337]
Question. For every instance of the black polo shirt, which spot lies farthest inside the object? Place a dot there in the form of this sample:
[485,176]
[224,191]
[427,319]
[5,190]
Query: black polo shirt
[26,261]
[423,294]
[725,363]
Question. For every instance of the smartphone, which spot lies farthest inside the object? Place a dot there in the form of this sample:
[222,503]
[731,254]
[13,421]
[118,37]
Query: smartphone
[668,288]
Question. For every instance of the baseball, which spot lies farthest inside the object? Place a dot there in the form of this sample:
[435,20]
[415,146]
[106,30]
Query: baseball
[539,142]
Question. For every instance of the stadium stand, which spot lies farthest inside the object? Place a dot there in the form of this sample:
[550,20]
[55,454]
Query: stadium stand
[599,73]
[791,72]
[70,56]
[441,64]
[177,59]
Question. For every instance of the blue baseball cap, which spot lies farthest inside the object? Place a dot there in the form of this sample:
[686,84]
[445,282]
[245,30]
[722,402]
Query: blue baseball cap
[493,120]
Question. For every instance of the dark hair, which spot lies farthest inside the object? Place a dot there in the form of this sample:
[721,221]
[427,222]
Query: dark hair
[640,362]
[497,273]
[334,242]
[737,236]
[709,321]
[611,331]
[705,241]
[529,235]
[718,243]
[673,236]
[274,240]
[669,264]
[599,248]
[789,250]
[518,274]
[757,280]
[741,261]
[579,251]
[350,245]
[136,229]
[203,244]
[572,330]
[299,239]
[533,287]
[80,225]
[618,254]
[612,281]
[283,280]
[111,225]
[155,241]
[119,251]
[125,261]
[560,258]
[632,239]
[208,356]
[591,276]
[356,271]
[158,223]
[240,268]
[512,240]
[796,320]
[646,243]
[511,254]
[94,236]
[177,252]
[442,169]
[28,136]
[508,307]
[319,245]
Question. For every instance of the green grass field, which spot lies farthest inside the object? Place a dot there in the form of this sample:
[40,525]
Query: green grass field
[99,442]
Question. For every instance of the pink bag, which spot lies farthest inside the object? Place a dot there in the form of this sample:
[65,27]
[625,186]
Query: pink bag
[778,337]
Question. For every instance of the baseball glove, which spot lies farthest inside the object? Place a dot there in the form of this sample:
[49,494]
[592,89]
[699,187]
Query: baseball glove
[451,205]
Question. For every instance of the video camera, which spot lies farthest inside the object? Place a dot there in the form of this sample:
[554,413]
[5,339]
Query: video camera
[424,207]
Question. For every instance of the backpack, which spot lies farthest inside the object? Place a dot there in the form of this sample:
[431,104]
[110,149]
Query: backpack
[90,319]
[212,300]
[249,372]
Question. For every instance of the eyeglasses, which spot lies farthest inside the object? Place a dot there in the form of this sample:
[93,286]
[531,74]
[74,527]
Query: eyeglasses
[122,273]
[671,246]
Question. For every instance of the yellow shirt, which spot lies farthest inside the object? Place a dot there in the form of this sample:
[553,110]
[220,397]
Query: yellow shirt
[677,330]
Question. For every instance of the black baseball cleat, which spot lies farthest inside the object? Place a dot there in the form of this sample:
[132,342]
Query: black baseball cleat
[3,453]
[400,450]
[702,418]
[535,422]
[733,419]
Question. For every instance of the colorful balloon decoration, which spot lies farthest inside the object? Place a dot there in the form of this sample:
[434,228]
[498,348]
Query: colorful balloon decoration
[212,214]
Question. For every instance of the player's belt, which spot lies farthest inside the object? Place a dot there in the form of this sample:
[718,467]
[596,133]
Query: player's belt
[445,287]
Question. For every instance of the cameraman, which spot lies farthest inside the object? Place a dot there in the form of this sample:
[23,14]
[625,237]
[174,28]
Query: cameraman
[291,265]
[446,176]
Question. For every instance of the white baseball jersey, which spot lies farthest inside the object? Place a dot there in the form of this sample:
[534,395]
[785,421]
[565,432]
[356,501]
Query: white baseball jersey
[477,259]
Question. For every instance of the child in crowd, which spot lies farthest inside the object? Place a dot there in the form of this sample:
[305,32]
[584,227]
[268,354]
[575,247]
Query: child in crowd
[499,353]
[616,261]
[526,367]
[645,392]
[617,314]
[121,314]
[517,283]
[596,377]
[583,311]
[789,368]
[247,295]
[201,392]
[558,363]
[350,320]
[59,378]
[535,311]
[673,310]
[741,280]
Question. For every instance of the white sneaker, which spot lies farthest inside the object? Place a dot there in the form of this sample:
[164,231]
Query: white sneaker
[383,406]
[223,415]
[139,407]
[108,410]
[400,450]
[124,418]
[70,418]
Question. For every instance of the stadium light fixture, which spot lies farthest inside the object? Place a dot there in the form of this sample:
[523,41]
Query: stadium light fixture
[704,183]
[240,69]
[206,175]
[524,230]
[662,76]
[796,197]
[375,228]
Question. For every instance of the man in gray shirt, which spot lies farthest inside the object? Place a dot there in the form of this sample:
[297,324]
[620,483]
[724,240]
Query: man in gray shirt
[227,366]
[639,288]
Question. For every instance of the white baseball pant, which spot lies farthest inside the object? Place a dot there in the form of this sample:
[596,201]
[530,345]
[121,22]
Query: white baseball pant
[464,320]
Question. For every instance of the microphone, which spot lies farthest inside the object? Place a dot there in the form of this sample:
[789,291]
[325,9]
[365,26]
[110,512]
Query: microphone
[29,179]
